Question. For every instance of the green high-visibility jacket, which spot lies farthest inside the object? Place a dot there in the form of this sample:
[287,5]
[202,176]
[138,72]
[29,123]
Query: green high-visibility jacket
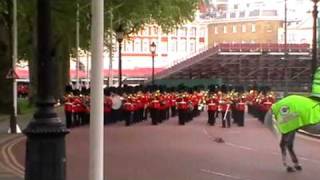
[316,83]
[294,112]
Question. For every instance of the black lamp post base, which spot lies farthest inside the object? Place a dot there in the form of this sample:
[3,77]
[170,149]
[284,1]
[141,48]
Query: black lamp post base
[45,150]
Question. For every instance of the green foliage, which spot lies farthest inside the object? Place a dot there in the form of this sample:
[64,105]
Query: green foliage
[25,107]
[133,15]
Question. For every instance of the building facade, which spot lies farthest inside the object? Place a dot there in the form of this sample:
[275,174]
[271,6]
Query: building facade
[182,42]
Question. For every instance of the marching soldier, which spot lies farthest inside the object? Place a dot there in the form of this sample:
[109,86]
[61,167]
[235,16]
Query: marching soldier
[68,111]
[239,109]
[182,110]
[212,105]
[128,110]
[225,107]
[107,109]
[154,111]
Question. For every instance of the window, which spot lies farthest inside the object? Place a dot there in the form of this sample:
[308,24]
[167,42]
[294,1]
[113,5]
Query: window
[192,31]
[202,32]
[201,45]
[216,30]
[164,46]
[242,14]
[234,28]
[268,27]
[253,27]
[244,28]
[183,32]
[155,30]
[192,46]
[224,29]
[255,12]
[137,45]
[173,45]
[146,45]
[232,15]
[145,31]
[128,46]
[182,45]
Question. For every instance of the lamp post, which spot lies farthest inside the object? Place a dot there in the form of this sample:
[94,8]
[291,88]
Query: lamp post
[285,49]
[119,36]
[314,38]
[45,146]
[13,117]
[153,47]
[77,46]
[78,42]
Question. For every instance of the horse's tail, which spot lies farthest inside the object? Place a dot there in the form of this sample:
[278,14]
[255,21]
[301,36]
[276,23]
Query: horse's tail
[270,123]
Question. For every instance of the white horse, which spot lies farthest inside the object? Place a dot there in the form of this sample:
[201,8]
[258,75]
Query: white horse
[290,114]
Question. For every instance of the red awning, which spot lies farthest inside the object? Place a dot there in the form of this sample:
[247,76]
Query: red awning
[137,72]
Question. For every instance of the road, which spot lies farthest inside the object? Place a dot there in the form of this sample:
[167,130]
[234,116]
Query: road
[172,152]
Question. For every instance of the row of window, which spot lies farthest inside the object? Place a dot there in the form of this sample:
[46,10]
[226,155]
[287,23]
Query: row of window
[143,46]
[236,42]
[241,42]
[235,28]
[184,31]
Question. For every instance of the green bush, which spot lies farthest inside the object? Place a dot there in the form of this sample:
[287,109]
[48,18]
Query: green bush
[25,107]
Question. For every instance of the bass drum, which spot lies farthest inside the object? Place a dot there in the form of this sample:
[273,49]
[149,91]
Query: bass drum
[116,102]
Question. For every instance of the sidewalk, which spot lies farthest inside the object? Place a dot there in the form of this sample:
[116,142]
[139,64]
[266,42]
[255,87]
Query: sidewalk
[23,120]
[8,172]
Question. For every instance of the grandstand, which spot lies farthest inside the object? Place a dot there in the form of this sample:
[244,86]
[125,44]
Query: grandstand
[248,64]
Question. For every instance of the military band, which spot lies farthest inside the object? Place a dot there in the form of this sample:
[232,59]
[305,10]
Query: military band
[135,106]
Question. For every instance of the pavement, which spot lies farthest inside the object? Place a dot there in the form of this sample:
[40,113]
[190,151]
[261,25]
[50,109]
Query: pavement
[172,152]
[10,169]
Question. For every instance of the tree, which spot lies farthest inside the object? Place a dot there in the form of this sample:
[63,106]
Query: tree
[64,20]
[5,55]
[131,15]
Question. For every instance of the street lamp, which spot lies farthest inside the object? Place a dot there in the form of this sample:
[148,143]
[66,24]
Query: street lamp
[45,146]
[314,38]
[153,47]
[285,50]
[119,36]
[78,42]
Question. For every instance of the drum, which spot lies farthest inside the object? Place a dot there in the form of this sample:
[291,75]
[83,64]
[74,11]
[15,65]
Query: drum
[116,102]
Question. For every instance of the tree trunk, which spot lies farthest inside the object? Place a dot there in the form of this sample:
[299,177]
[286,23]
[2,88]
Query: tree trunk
[61,67]
[6,86]
[33,70]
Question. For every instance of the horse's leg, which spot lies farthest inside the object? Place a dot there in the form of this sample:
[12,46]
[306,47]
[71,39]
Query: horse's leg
[292,153]
[283,146]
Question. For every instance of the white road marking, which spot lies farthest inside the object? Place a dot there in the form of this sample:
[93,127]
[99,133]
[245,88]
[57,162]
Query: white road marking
[222,174]
[12,157]
[7,158]
[240,147]
[271,153]
[7,138]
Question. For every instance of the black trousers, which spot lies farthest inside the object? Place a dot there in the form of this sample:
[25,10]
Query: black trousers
[240,118]
[183,116]
[173,111]
[211,117]
[154,116]
[68,119]
[128,117]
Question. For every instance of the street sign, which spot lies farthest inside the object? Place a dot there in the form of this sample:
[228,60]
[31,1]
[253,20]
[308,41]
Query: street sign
[12,74]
